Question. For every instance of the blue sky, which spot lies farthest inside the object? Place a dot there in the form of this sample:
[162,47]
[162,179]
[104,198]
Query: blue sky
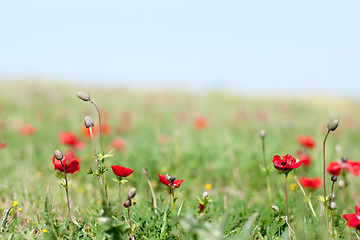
[277,47]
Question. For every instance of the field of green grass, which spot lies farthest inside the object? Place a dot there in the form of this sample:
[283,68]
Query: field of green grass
[224,158]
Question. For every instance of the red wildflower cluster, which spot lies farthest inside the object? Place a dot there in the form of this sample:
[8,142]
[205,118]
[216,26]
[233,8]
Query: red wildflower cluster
[335,168]
[286,163]
[311,183]
[70,161]
[69,138]
[121,171]
[304,157]
[3,145]
[200,123]
[27,129]
[353,219]
[164,181]
[118,143]
[306,141]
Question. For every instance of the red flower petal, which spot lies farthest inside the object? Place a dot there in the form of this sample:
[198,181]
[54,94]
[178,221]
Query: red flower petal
[70,161]
[178,182]
[163,179]
[3,145]
[353,167]
[121,171]
[349,216]
[306,141]
[304,158]
[334,168]
[357,210]
[353,222]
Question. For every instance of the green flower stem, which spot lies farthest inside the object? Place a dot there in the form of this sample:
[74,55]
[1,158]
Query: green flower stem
[325,205]
[267,172]
[287,204]
[67,196]
[131,229]
[308,199]
[172,196]
[119,198]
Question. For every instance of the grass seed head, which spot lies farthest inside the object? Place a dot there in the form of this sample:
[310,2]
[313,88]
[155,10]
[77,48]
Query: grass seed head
[85,96]
[131,193]
[89,122]
[333,124]
[275,208]
[58,154]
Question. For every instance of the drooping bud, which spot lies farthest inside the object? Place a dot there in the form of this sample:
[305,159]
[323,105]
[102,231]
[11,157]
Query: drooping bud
[127,203]
[89,122]
[131,193]
[275,208]
[85,96]
[333,124]
[58,154]
[334,178]
[205,195]
[262,133]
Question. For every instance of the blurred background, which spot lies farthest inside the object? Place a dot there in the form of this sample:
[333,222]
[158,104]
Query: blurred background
[279,48]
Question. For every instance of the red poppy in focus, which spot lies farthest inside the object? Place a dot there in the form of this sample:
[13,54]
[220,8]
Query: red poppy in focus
[286,164]
[3,145]
[306,141]
[200,123]
[353,219]
[27,129]
[118,143]
[310,183]
[304,158]
[70,161]
[164,181]
[69,138]
[121,171]
[334,168]
[105,128]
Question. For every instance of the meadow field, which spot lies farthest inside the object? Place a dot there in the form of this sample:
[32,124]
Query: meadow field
[211,140]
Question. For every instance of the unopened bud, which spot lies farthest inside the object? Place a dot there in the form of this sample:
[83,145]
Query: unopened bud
[333,205]
[127,203]
[84,96]
[58,154]
[341,183]
[338,149]
[333,124]
[275,208]
[334,178]
[131,193]
[89,122]
[262,133]
[205,195]
[169,178]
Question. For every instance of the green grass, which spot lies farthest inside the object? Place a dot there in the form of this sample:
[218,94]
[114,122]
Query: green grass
[227,155]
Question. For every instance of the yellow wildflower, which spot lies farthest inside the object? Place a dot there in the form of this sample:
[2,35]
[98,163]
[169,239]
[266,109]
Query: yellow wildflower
[44,230]
[20,209]
[98,202]
[208,186]
[293,186]
[15,203]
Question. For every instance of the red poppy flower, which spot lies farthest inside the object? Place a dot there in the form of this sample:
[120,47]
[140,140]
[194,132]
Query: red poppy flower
[69,138]
[286,164]
[70,161]
[121,171]
[310,183]
[334,168]
[105,128]
[304,158]
[27,129]
[3,145]
[353,219]
[164,181]
[201,207]
[306,141]
[200,123]
[118,143]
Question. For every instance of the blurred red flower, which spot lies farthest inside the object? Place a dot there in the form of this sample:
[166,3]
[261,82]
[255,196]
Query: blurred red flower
[304,158]
[286,164]
[334,168]
[311,183]
[3,145]
[121,171]
[201,207]
[70,161]
[353,219]
[306,141]
[164,181]
[200,123]
[27,129]
[69,138]
[119,144]
[105,128]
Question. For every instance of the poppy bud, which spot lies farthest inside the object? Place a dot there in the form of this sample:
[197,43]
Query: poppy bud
[338,149]
[275,208]
[262,133]
[333,205]
[84,96]
[58,154]
[333,124]
[341,183]
[127,203]
[334,178]
[205,195]
[131,193]
[89,122]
